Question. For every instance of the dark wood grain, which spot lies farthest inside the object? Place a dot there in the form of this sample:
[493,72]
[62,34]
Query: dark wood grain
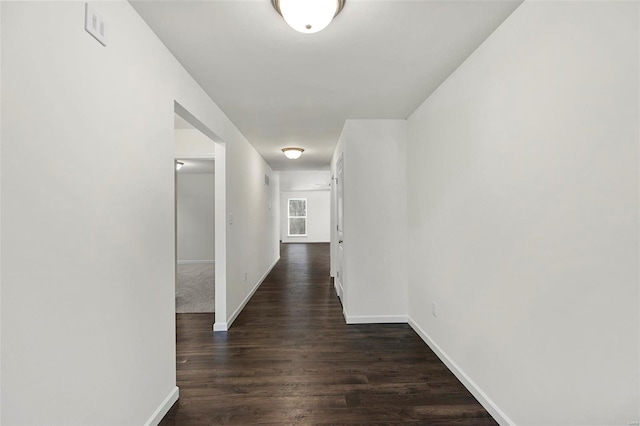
[289,358]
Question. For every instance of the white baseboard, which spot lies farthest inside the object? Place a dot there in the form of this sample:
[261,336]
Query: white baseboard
[375,319]
[194,262]
[164,408]
[220,326]
[339,290]
[246,299]
[475,390]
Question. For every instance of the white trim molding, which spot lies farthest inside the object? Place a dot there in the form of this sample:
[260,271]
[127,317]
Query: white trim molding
[289,217]
[211,156]
[339,289]
[375,319]
[468,383]
[194,262]
[164,407]
[327,189]
[220,326]
[224,326]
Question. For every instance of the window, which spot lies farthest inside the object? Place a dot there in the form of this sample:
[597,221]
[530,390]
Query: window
[297,217]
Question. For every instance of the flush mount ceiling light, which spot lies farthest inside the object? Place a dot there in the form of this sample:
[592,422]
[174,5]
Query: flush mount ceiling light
[179,165]
[292,153]
[308,16]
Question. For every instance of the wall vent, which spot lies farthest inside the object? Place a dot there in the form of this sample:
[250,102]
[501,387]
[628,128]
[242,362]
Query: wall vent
[266,180]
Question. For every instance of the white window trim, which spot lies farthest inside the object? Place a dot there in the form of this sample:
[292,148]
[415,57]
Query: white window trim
[289,217]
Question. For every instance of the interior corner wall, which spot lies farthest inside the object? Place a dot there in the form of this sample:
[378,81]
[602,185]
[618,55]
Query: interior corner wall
[317,216]
[524,215]
[375,215]
[101,231]
[195,195]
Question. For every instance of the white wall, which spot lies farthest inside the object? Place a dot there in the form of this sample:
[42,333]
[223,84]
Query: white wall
[314,185]
[317,216]
[193,144]
[523,215]
[87,208]
[195,216]
[305,180]
[254,234]
[375,217]
[276,213]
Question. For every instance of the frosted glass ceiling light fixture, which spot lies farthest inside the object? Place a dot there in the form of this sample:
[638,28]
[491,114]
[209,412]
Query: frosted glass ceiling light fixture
[179,165]
[292,153]
[308,16]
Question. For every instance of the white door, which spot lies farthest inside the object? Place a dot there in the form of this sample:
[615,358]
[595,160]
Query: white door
[340,224]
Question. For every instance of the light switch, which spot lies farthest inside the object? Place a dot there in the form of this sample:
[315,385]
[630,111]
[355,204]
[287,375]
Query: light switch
[95,25]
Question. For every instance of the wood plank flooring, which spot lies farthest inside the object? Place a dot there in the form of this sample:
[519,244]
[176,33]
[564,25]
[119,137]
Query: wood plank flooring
[289,358]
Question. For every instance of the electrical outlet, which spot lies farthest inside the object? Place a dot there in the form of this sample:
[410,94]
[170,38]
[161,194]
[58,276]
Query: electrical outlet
[434,309]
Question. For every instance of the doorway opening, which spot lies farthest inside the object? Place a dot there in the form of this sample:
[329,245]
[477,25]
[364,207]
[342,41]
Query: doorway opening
[203,157]
[195,234]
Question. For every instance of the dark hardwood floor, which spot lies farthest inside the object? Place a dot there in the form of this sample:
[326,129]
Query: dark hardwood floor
[289,358]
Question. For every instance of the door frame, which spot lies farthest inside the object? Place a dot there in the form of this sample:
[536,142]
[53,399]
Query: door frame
[220,208]
[339,206]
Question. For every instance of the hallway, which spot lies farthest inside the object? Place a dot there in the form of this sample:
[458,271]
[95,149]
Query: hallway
[289,358]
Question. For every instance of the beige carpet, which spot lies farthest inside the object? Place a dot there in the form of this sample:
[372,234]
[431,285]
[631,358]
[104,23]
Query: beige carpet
[195,288]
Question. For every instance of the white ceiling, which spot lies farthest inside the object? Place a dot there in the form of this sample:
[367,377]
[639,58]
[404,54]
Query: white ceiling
[192,166]
[378,59]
